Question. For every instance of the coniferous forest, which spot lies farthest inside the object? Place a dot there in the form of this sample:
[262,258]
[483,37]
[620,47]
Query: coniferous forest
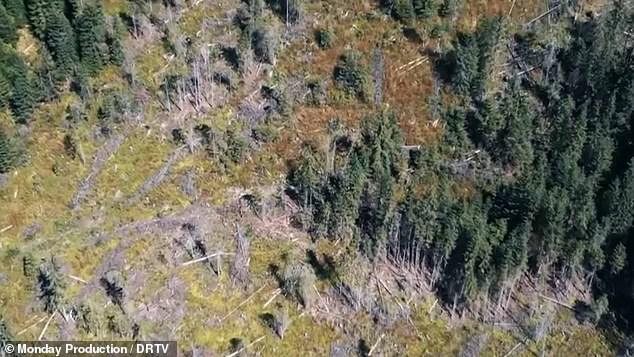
[394,177]
[546,162]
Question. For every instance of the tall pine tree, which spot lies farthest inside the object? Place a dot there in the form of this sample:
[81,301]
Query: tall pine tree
[5,91]
[113,39]
[50,286]
[37,13]
[91,38]
[16,9]
[7,27]
[7,156]
[424,9]
[60,40]
[22,98]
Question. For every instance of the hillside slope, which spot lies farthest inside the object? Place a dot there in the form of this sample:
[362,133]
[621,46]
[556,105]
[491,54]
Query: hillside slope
[319,177]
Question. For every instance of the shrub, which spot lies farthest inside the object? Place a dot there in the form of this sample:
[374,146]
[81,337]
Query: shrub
[424,9]
[51,286]
[239,271]
[75,114]
[316,92]
[70,146]
[351,75]
[28,266]
[87,319]
[387,5]
[265,132]
[8,156]
[324,38]
[290,11]
[118,324]
[297,282]
[5,334]
[277,101]
[237,146]
[439,30]
[449,8]
[264,43]
[403,10]
[591,313]
[281,322]
[113,283]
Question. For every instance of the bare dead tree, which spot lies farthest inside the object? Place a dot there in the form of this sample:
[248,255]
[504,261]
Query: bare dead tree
[180,92]
[101,157]
[435,100]
[239,272]
[197,80]
[204,52]
[188,184]
[159,176]
[168,100]
[192,241]
[474,346]
[279,321]
[378,64]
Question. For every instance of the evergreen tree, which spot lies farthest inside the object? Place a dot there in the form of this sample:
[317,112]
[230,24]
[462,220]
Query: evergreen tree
[29,268]
[263,44]
[419,225]
[403,10]
[305,179]
[598,153]
[5,334]
[351,75]
[72,9]
[22,98]
[80,84]
[620,202]
[343,193]
[488,35]
[466,66]
[375,215]
[7,155]
[470,267]
[48,76]
[424,9]
[60,40]
[12,63]
[5,91]
[455,134]
[380,145]
[7,27]
[91,37]
[113,39]
[444,243]
[515,138]
[379,150]
[106,115]
[486,125]
[473,57]
[512,254]
[552,223]
[519,201]
[16,9]
[117,56]
[50,286]
[37,13]
[449,8]
[290,11]
[619,258]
